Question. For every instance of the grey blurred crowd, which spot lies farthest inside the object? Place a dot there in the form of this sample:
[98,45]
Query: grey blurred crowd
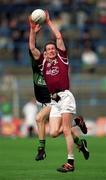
[82,22]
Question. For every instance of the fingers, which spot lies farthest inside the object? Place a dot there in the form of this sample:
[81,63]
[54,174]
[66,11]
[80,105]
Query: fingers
[38,26]
[46,11]
[31,23]
[47,16]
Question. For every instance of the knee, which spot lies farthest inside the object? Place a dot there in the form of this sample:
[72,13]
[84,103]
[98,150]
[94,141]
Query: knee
[66,131]
[54,133]
[39,119]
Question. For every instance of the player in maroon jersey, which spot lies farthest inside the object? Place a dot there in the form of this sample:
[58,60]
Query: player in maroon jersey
[55,71]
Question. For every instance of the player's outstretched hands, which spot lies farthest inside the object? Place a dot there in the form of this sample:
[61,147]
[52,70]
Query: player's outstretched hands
[34,26]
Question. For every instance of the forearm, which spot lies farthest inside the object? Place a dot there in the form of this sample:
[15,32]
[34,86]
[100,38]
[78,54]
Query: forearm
[32,36]
[32,44]
[56,32]
[54,29]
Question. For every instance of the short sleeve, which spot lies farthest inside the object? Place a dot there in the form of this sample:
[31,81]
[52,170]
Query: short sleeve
[63,53]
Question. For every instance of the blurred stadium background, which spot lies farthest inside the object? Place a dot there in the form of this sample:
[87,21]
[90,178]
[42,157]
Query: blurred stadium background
[83,25]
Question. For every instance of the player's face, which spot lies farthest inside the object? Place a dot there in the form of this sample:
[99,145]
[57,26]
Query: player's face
[51,51]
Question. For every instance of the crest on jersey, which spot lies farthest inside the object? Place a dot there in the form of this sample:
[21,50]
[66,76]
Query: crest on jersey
[54,71]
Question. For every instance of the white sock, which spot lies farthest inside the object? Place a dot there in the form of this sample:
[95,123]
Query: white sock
[70,156]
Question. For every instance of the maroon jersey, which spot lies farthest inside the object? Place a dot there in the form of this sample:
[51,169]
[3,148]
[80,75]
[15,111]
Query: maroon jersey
[56,72]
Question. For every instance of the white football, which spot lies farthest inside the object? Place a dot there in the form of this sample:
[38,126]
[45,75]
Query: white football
[38,16]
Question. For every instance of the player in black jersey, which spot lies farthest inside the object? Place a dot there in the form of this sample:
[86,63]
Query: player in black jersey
[40,89]
[42,95]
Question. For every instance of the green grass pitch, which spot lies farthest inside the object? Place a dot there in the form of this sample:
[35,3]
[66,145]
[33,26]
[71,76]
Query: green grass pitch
[17,160]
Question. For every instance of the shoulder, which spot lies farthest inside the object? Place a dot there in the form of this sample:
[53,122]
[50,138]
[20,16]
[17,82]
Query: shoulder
[63,56]
[62,53]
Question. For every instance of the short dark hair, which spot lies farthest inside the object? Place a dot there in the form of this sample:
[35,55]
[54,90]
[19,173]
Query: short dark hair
[50,42]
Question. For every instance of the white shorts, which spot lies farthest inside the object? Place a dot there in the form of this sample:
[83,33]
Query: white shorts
[66,104]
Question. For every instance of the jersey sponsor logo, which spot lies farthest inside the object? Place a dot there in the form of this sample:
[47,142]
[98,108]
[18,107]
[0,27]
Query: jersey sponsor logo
[54,71]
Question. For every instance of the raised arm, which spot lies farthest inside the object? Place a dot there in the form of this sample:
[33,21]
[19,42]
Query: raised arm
[34,28]
[56,32]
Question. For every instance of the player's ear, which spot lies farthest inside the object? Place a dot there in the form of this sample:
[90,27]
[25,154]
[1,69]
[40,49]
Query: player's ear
[44,54]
